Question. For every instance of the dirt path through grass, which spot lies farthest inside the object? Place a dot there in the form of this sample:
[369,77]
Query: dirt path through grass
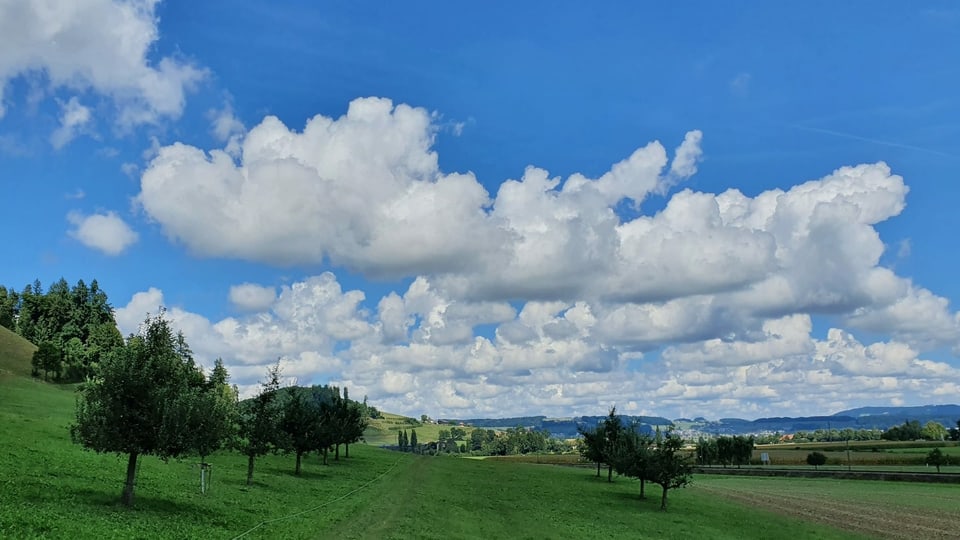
[384,511]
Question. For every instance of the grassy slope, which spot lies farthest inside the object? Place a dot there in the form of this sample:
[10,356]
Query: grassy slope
[383,431]
[15,354]
[51,488]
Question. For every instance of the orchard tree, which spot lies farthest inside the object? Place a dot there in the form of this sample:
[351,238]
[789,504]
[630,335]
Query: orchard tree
[134,403]
[591,445]
[217,424]
[632,456]
[668,467]
[301,422]
[259,421]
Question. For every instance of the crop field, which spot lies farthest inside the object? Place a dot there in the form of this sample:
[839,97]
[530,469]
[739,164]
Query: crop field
[876,509]
[907,455]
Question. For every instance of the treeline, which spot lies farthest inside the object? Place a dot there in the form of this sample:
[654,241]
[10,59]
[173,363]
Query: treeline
[483,442]
[73,327]
[148,397]
[735,450]
[632,452]
[911,430]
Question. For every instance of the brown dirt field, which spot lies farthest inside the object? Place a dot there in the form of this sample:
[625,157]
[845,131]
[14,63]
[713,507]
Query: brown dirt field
[878,521]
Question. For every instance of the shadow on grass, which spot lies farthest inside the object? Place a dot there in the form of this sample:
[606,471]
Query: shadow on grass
[142,504]
[305,474]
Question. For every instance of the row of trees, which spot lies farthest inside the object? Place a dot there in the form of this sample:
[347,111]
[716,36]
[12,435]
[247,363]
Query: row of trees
[73,327]
[735,450]
[912,431]
[149,397]
[657,458]
[846,434]
[407,443]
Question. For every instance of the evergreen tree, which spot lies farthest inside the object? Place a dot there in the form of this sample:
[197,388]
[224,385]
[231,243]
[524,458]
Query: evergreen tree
[413,440]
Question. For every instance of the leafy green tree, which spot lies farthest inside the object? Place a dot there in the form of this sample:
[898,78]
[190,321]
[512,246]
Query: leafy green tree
[934,431]
[632,456]
[214,418]
[591,445]
[413,440]
[259,422]
[301,422]
[612,429]
[742,450]
[937,458]
[476,440]
[402,440]
[908,431]
[130,406]
[707,452]
[816,459]
[955,432]
[725,450]
[668,466]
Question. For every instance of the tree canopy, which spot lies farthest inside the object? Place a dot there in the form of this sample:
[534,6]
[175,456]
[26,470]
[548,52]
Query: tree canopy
[140,401]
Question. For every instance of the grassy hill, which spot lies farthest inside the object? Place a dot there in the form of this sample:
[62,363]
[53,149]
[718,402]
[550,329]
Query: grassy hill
[383,431]
[15,354]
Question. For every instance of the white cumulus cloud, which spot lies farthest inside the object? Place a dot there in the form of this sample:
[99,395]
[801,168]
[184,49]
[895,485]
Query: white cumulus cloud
[102,46]
[107,232]
[252,297]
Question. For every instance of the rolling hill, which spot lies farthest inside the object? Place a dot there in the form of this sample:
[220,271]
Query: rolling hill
[15,354]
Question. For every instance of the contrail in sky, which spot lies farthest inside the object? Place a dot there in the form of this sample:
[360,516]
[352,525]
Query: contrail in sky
[869,140]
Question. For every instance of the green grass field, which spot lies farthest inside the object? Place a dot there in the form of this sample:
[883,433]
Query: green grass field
[15,354]
[51,488]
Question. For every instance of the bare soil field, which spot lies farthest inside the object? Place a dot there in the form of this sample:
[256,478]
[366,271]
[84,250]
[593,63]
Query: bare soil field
[890,510]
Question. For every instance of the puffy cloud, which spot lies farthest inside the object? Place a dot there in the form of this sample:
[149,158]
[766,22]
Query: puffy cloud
[73,118]
[104,232]
[687,155]
[252,297]
[303,197]
[98,45]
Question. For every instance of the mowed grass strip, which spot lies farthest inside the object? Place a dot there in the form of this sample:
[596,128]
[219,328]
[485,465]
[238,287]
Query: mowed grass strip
[444,498]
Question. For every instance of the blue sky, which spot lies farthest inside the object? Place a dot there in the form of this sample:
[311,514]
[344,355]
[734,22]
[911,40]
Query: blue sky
[505,208]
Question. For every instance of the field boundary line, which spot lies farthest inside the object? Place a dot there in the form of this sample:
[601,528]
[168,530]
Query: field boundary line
[317,507]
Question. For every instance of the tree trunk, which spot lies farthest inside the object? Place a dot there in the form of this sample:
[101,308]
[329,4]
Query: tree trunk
[598,469]
[325,450]
[663,499]
[609,473]
[643,486]
[346,450]
[336,452]
[299,455]
[126,498]
[249,469]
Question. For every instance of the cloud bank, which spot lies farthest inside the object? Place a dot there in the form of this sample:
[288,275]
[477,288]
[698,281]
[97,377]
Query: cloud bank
[541,297]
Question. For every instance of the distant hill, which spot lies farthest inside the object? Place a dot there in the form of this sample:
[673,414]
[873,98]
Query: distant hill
[562,428]
[15,354]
